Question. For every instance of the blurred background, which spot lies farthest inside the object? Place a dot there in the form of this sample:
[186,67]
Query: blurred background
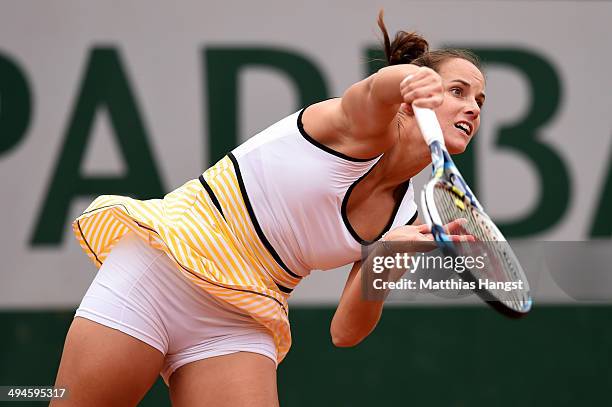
[136,97]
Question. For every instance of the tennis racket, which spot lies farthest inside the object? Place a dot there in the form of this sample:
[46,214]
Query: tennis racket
[447,197]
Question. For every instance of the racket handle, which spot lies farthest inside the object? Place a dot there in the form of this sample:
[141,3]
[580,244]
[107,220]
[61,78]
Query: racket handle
[429,125]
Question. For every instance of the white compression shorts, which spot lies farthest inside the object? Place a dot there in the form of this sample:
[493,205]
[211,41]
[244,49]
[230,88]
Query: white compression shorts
[139,291]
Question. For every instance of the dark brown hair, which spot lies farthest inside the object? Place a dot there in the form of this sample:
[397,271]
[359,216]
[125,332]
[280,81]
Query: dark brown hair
[411,48]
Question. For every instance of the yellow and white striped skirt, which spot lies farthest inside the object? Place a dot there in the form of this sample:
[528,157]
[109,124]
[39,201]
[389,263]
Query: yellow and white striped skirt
[205,227]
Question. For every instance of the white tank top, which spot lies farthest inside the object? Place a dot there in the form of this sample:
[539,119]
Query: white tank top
[296,191]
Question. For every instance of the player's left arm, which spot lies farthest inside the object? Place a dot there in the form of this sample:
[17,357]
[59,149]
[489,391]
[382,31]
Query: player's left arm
[355,318]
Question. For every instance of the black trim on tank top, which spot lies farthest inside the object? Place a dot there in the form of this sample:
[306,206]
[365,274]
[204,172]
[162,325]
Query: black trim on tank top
[389,223]
[212,195]
[284,289]
[322,146]
[256,225]
[414,218]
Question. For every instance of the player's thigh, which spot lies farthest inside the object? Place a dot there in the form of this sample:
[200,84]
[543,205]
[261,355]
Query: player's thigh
[238,379]
[101,366]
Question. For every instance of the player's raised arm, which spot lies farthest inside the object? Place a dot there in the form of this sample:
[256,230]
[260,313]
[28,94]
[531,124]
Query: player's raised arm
[366,120]
[371,105]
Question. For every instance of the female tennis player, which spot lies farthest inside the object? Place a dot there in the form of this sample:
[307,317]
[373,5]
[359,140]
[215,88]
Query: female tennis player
[194,286]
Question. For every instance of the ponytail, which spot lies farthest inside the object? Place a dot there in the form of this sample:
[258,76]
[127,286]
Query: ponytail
[411,48]
[406,46]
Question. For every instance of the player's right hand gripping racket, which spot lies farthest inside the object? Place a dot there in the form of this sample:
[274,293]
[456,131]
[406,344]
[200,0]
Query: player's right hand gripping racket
[447,197]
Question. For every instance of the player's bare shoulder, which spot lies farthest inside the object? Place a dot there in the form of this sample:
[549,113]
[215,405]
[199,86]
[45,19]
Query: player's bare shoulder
[329,123]
[326,123]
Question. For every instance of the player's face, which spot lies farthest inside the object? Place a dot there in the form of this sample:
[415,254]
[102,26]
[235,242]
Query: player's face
[459,114]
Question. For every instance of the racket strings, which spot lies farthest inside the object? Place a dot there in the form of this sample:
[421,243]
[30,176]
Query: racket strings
[503,266]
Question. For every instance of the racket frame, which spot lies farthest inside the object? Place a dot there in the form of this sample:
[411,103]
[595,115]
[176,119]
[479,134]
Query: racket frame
[443,171]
